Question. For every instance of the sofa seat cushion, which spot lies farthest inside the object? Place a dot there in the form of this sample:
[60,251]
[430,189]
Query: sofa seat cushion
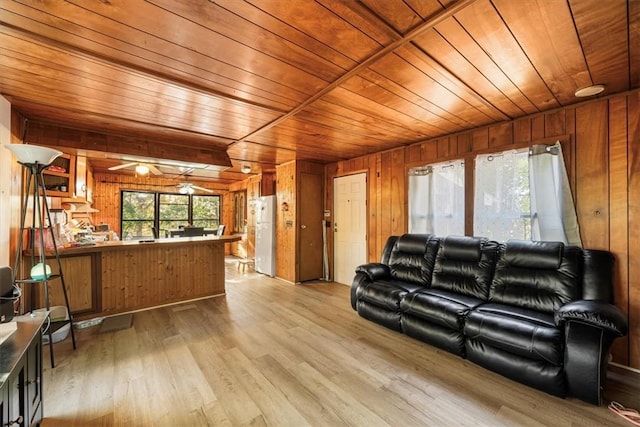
[386,293]
[440,307]
[518,331]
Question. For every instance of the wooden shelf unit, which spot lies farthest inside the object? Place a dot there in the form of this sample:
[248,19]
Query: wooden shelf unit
[61,184]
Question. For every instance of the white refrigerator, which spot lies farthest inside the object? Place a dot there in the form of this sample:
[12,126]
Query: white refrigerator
[266,235]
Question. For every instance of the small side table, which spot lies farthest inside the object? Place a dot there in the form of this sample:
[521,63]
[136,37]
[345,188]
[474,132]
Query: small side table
[243,263]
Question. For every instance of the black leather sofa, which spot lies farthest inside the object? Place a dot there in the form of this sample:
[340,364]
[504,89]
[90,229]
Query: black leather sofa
[540,313]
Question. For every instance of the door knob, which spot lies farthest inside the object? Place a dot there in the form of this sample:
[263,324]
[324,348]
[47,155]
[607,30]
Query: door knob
[303,226]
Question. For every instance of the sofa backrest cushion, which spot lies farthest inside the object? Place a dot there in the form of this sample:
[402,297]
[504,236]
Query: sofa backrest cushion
[597,276]
[412,258]
[540,276]
[388,247]
[465,265]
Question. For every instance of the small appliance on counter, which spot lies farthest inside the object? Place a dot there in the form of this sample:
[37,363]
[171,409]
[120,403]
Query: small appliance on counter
[101,228]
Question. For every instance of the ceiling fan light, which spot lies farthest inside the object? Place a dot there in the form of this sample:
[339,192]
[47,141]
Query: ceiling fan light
[142,169]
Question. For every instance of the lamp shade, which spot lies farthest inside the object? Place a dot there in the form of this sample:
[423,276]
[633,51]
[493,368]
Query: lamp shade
[30,154]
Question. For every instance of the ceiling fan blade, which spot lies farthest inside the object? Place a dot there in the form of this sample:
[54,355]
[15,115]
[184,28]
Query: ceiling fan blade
[202,189]
[122,166]
[154,170]
[185,171]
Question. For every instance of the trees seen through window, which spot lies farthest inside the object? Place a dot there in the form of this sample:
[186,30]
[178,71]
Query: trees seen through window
[142,212]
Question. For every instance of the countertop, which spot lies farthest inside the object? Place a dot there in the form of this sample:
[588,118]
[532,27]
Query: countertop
[12,350]
[133,244]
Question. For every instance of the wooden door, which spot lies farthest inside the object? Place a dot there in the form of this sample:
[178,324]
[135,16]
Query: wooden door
[309,226]
[349,226]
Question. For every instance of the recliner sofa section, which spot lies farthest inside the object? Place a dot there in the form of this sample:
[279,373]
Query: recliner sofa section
[540,313]
[406,266]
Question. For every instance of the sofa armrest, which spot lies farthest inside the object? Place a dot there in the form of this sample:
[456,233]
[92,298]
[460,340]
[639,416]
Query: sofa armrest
[595,313]
[367,273]
[374,270]
[590,327]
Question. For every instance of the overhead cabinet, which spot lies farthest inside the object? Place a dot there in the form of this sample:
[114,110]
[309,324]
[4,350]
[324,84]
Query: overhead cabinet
[59,177]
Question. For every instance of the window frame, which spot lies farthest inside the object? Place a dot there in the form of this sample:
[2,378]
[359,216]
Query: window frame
[156,211]
[451,162]
[468,154]
[523,154]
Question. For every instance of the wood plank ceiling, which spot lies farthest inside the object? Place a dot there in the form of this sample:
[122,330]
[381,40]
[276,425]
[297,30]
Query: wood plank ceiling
[269,81]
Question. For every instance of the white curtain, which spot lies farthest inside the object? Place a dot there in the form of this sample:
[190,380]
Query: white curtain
[501,206]
[553,212]
[436,199]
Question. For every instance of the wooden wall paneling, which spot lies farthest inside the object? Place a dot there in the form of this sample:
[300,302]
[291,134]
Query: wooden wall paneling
[570,116]
[177,273]
[412,153]
[330,172]
[267,184]
[376,239]
[443,147]
[253,192]
[64,137]
[469,194]
[464,144]
[78,276]
[537,127]
[501,135]
[522,130]
[480,139]
[286,221]
[555,123]
[618,206]
[429,151]
[592,174]
[398,194]
[633,151]
[385,213]
[634,40]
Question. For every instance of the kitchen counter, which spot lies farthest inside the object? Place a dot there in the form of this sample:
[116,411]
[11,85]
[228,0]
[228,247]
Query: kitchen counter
[166,242]
[122,276]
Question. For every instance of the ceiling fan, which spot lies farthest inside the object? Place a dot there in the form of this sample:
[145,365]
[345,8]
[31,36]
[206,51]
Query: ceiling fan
[188,188]
[140,168]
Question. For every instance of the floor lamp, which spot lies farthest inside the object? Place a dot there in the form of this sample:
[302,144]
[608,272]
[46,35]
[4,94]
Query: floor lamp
[35,159]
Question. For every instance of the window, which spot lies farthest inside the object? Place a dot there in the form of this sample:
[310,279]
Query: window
[174,211]
[436,199]
[205,211]
[502,209]
[138,214]
[143,212]
[525,194]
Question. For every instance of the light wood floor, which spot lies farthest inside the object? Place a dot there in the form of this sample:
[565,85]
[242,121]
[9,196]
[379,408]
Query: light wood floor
[273,353]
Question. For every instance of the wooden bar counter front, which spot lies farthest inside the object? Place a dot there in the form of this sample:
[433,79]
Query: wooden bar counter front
[117,277]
